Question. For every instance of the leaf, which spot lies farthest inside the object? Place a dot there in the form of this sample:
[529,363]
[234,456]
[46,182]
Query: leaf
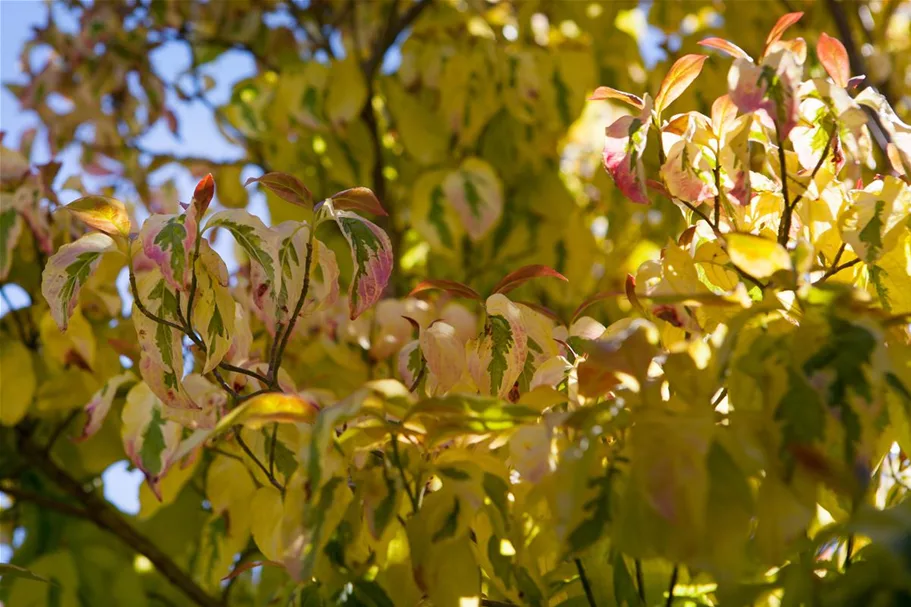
[783,23]
[728,47]
[213,310]
[148,440]
[8,571]
[17,390]
[450,286]
[678,79]
[592,300]
[202,195]
[10,229]
[445,356]
[605,92]
[371,254]
[68,270]
[833,56]
[167,240]
[97,408]
[476,193]
[285,186]
[524,274]
[624,146]
[760,257]
[358,199]
[271,407]
[256,241]
[497,357]
[104,214]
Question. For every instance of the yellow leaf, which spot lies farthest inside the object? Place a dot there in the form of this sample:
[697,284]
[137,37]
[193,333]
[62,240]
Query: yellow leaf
[347,91]
[757,256]
[18,386]
[266,525]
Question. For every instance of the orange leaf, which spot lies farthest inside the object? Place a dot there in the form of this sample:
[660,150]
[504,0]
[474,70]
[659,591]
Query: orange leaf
[358,199]
[781,26]
[285,186]
[678,79]
[524,274]
[728,47]
[450,286]
[603,93]
[833,56]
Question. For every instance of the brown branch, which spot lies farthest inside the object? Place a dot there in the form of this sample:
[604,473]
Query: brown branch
[102,514]
[23,495]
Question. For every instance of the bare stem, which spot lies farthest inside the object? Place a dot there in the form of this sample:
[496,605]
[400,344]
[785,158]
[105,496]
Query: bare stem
[276,362]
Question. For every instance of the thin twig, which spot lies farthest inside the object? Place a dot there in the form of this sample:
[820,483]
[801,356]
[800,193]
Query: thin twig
[256,460]
[784,228]
[671,586]
[398,464]
[276,362]
[640,580]
[272,449]
[589,595]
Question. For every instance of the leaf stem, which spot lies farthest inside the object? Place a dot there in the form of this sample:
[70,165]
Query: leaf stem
[276,362]
[784,227]
[640,580]
[398,464]
[589,595]
[671,586]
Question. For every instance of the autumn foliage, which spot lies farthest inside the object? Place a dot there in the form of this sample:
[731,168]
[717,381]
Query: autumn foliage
[492,377]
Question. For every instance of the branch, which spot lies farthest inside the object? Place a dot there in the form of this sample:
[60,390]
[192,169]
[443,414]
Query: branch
[585,585]
[276,362]
[102,514]
[23,495]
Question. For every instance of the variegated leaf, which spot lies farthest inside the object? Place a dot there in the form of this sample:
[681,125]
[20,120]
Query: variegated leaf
[97,408]
[445,355]
[876,218]
[68,270]
[371,254]
[148,440]
[167,240]
[410,360]
[257,242]
[104,214]
[213,308]
[476,193]
[497,357]
[161,360]
[209,397]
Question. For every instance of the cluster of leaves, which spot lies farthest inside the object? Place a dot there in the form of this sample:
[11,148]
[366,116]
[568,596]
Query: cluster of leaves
[728,440]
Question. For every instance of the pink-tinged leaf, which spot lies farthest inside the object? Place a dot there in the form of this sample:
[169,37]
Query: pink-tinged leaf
[476,194]
[603,93]
[97,408]
[724,113]
[624,146]
[203,194]
[161,362]
[167,241]
[149,440]
[68,270]
[630,290]
[371,254]
[688,173]
[592,300]
[445,356]
[855,81]
[496,358]
[833,56]
[770,88]
[728,47]
[104,214]
[779,29]
[681,75]
[361,200]
[450,286]
[285,186]
[524,274]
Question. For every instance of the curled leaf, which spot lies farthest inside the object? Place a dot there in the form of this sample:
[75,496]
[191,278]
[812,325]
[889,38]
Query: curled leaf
[605,92]
[728,47]
[68,270]
[624,145]
[450,286]
[524,274]
[97,408]
[285,186]
[371,253]
[104,214]
[360,199]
